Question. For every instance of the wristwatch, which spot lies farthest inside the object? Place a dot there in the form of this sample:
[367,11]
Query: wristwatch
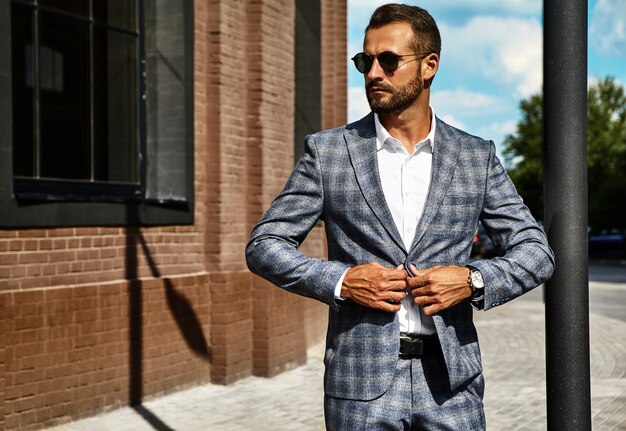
[476,282]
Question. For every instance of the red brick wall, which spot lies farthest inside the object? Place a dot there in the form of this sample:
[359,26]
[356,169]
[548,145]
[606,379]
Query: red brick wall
[334,64]
[73,350]
[3,332]
[95,318]
[57,257]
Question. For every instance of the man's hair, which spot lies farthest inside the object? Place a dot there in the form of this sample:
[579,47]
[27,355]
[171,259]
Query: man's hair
[426,33]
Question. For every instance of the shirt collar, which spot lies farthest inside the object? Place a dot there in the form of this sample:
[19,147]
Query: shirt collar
[382,135]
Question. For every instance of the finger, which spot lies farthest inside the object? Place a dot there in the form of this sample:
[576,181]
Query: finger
[416,282]
[391,307]
[398,273]
[392,286]
[421,293]
[436,307]
[424,300]
[396,298]
[403,270]
[416,272]
[431,310]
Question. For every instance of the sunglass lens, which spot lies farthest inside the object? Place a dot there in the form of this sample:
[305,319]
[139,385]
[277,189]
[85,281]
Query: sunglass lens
[363,62]
[388,61]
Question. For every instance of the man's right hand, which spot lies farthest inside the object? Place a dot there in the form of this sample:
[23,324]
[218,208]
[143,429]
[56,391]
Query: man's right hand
[375,286]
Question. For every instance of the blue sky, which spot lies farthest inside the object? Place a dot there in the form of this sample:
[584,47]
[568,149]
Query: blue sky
[492,57]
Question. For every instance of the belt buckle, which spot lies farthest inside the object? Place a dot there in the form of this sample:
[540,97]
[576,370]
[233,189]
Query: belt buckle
[410,346]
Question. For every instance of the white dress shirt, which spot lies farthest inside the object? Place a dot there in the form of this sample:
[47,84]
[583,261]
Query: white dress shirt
[405,180]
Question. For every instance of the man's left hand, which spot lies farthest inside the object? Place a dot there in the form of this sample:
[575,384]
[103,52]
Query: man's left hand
[440,287]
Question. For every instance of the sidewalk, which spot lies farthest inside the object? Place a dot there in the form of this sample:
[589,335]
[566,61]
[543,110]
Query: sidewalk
[512,343]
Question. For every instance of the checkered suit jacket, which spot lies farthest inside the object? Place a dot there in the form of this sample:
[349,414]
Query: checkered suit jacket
[337,181]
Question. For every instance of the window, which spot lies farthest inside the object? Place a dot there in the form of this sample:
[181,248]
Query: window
[308,73]
[96,109]
[76,95]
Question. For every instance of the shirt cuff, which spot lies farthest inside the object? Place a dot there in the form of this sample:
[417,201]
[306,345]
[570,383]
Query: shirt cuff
[338,286]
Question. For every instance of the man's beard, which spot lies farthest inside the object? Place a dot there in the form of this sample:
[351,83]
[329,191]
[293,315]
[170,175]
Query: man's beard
[397,100]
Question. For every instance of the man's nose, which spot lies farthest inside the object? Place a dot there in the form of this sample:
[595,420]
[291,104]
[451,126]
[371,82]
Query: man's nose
[375,71]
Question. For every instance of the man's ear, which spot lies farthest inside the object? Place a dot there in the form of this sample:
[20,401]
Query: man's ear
[430,66]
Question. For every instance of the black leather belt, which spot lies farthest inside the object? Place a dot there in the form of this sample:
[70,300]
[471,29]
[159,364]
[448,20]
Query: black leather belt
[418,346]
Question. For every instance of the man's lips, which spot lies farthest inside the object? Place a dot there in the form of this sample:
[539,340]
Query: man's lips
[377,88]
[373,90]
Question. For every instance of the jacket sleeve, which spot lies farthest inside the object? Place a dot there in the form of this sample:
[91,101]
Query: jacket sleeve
[272,251]
[528,261]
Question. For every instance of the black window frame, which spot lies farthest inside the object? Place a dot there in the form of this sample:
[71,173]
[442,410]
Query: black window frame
[308,73]
[38,187]
[34,202]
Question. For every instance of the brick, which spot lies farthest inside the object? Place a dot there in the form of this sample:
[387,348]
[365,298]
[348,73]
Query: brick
[8,259]
[83,323]
[30,244]
[27,376]
[16,245]
[62,256]
[32,257]
[60,232]
[5,272]
[44,244]
[32,233]
[59,244]
[29,322]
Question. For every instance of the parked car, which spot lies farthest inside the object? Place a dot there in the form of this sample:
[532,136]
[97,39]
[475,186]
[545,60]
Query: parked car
[607,242]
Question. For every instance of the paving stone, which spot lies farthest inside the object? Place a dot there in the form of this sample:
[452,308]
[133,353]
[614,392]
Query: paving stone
[512,342]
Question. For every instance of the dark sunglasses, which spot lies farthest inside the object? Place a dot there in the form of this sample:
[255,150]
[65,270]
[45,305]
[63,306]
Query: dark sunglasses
[387,60]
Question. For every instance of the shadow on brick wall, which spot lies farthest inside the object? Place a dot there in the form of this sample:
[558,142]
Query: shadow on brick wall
[135,313]
[184,315]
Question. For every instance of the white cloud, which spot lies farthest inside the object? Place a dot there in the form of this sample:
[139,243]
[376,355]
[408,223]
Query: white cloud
[354,46]
[494,39]
[492,55]
[451,120]
[607,32]
[465,102]
[507,51]
[593,81]
[362,9]
[518,7]
[357,103]
[502,128]
[359,13]
[463,10]
[497,131]
[452,105]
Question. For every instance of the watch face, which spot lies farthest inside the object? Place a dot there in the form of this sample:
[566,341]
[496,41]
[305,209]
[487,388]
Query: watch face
[477,280]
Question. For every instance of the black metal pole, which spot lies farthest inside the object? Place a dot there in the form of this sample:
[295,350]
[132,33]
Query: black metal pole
[565,191]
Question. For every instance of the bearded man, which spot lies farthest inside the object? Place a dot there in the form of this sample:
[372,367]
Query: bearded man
[401,194]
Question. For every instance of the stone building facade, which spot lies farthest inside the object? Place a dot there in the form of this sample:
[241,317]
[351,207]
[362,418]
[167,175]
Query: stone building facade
[110,294]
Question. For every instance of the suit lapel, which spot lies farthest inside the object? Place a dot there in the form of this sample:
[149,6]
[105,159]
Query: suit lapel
[445,154]
[361,143]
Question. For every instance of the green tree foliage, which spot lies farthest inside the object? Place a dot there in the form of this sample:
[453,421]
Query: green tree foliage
[606,146]
[525,150]
[607,155]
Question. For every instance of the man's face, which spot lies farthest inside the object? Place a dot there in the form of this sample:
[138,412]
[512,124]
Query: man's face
[392,92]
